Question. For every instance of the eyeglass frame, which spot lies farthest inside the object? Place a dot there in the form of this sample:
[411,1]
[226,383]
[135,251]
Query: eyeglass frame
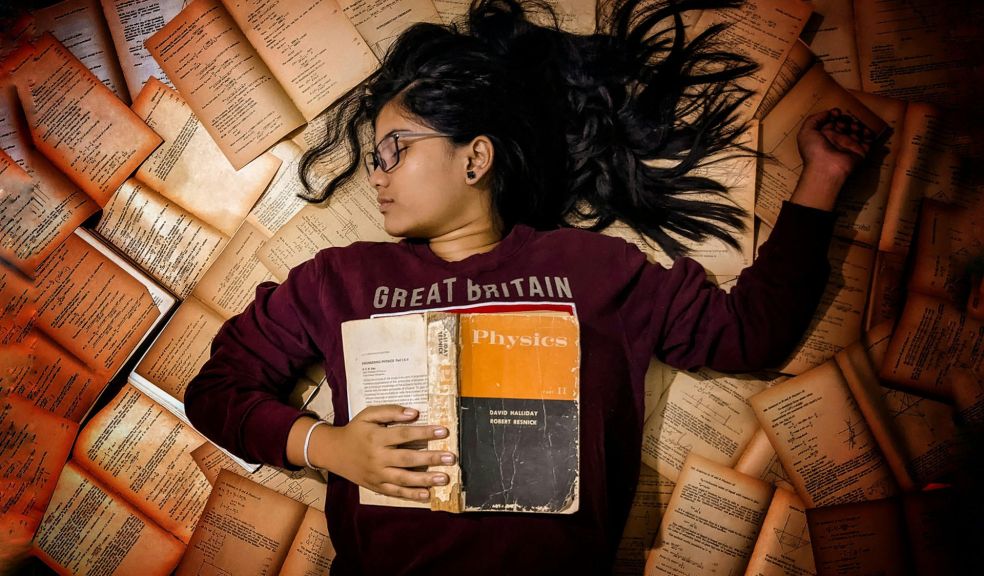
[373,160]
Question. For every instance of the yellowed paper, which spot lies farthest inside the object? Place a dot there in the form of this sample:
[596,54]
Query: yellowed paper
[797,62]
[834,41]
[245,527]
[165,240]
[130,23]
[280,202]
[933,337]
[181,349]
[230,283]
[759,460]
[906,51]
[305,485]
[927,166]
[651,498]
[711,522]
[85,130]
[783,546]
[949,245]
[705,414]
[816,91]
[349,216]
[576,16]
[822,439]
[80,27]
[221,77]
[190,169]
[143,452]
[39,370]
[380,22]
[762,30]
[84,515]
[34,445]
[87,304]
[838,319]
[311,552]
[887,293]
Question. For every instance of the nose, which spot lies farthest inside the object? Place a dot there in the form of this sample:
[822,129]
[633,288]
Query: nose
[378,178]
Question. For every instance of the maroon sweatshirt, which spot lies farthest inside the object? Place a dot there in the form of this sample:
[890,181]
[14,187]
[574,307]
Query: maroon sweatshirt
[628,310]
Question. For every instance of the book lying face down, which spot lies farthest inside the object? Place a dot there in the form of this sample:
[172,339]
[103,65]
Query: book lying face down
[506,385]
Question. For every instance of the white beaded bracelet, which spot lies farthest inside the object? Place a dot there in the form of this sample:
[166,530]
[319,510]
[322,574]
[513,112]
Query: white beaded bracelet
[307,442]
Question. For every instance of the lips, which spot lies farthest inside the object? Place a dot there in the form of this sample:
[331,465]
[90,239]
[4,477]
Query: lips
[383,203]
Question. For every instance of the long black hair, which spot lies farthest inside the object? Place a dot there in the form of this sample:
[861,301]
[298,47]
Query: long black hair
[587,129]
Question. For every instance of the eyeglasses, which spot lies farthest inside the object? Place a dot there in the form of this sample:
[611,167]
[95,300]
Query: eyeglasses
[386,154]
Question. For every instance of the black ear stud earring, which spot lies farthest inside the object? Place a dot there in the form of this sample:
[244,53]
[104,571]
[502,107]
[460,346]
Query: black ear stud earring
[470,174]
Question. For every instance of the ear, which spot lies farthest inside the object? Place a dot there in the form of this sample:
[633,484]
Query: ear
[478,158]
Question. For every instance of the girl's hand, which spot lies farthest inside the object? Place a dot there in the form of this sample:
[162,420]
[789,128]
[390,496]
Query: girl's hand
[369,452]
[833,143]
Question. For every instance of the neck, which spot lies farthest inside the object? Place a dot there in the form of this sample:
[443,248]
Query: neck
[464,242]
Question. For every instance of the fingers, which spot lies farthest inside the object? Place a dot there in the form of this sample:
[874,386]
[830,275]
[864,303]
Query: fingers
[387,414]
[817,121]
[408,484]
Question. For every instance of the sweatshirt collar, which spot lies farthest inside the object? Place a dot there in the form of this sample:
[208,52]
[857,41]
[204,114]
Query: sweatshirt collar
[508,247]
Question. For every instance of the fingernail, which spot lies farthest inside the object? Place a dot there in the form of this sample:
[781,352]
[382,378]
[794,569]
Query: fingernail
[409,412]
[423,495]
[440,432]
[447,458]
[439,479]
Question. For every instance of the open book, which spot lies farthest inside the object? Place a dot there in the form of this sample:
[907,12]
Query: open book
[131,482]
[506,385]
[255,71]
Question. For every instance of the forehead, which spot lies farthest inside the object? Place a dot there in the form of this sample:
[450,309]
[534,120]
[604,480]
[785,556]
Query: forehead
[393,118]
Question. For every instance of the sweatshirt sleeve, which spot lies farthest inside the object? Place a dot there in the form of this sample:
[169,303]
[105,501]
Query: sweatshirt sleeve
[693,323]
[238,399]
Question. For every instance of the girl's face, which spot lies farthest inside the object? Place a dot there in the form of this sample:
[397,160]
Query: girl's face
[427,193]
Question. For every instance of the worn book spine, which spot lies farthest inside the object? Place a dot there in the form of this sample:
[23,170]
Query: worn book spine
[442,402]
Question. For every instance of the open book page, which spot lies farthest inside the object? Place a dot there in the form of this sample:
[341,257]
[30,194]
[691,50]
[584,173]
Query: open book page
[906,50]
[967,390]
[838,319]
[78,123]
[40,370]
[834,42]
[89,305]
[80,27]
[927,167]
[34,445]
[711,522]
[164,239]
[861,376]
[246,528]
[311,553]
[949,243]
[887,293]
[142,452]
[705,414]
[860,538]
[130,23]
[190,169]
[310,46]
[380,22]
[762,30]
[648,506]
[230,283]
[659,376]
[280,202]
[797,62]
[759,460]
[822,439]
[224,81]
[351,214]
[932,338]
[926,427]
[84,515]
[305,485]
[181,349]
[386,363]
[816,91]
[39,206]
[783,547]
[32,221]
